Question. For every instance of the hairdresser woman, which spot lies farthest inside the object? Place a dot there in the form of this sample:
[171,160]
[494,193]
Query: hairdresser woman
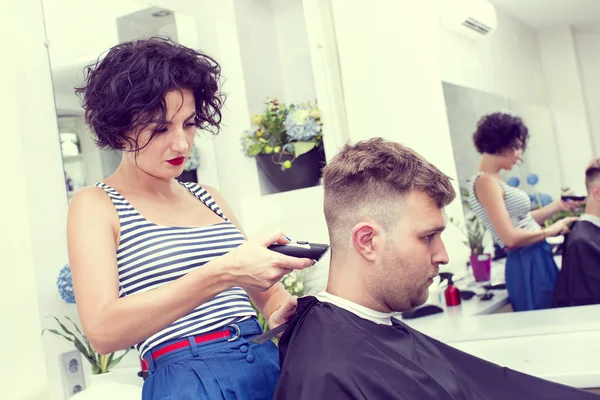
[164,265]
[531,272]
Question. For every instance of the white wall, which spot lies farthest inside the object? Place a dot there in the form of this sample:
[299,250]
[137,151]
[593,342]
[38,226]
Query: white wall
[566,99]
[293,49]
[260,53]
[587,39]
[33,240]
[393,89]
[507,63]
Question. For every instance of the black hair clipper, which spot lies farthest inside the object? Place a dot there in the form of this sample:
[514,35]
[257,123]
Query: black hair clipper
[300,249]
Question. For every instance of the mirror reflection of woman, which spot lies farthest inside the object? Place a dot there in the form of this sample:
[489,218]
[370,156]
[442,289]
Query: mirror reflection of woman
[162,265]
[531,271]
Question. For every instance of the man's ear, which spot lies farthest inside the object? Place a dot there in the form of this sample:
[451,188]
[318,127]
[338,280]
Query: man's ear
[596,192]
[367,240]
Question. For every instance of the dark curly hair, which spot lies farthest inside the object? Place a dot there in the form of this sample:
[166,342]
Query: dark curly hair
[498,132]
[126,89]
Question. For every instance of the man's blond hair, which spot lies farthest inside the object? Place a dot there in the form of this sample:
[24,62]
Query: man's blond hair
[592,173]
[367,179]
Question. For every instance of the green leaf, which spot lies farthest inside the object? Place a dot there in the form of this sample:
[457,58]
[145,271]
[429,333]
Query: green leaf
[77,341]
[254,149]
[110,358]
[64,328]
[87,342]
[54,331]
[303,147]
[84,352]
[113,363]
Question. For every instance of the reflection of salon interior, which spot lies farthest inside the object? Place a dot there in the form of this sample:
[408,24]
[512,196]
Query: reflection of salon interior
[415,72]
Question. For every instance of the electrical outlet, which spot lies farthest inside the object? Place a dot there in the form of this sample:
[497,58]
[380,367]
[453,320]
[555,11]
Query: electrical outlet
[72,373]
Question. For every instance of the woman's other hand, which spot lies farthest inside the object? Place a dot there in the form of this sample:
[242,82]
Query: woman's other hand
[561,227]
[283,313]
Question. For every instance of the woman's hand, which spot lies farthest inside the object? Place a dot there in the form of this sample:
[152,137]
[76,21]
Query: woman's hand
[561,227]
[283,313]
[253,266]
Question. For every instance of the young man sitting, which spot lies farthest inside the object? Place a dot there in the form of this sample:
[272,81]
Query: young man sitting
[384,206]
[578,282]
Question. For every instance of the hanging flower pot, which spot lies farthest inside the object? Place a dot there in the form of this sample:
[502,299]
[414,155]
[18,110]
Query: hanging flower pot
[303,172]
[287,142]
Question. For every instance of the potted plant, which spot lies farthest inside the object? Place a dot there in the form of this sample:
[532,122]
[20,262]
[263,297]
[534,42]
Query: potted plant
[101,363]
[287,141]
[480,261]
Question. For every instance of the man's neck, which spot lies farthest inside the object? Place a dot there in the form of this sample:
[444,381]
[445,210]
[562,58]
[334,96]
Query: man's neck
[592,208]
[356,309]
[351,287]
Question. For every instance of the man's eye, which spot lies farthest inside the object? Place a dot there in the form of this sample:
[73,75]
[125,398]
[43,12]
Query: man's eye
[428,238]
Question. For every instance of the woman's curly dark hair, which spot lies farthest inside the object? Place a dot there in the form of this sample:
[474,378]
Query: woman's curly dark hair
[498,132]
[126,89]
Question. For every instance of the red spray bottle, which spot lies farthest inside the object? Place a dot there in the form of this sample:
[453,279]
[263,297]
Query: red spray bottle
[451,293]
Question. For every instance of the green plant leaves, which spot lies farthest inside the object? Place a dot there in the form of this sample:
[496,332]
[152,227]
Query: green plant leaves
[254,149]
[100,363]
[112,363]
[303,147]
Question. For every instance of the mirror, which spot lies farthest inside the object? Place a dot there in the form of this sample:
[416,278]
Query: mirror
[538,64]
[465,106]
[99,26]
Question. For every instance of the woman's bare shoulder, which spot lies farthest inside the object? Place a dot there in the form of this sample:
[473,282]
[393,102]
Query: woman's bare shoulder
[92,203]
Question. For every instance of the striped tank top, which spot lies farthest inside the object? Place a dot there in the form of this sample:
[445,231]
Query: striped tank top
[151,255]
[518,205]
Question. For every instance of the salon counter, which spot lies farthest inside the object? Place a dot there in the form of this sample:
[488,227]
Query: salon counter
[561,345]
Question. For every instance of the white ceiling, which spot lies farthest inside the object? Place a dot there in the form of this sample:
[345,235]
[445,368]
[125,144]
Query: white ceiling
[547,13]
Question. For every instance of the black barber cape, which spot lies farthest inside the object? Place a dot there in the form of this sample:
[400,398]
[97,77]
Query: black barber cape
[579,277]
[330,353]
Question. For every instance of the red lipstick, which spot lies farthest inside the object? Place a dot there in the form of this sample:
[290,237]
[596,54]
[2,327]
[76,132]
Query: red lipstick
[176,160]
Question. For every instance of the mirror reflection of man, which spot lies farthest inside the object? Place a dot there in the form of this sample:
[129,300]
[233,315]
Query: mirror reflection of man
[579,279]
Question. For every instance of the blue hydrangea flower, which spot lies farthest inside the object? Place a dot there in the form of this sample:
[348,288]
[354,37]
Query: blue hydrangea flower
[532,179]
[300,125]
[544,198]
[64,282]
[513,181]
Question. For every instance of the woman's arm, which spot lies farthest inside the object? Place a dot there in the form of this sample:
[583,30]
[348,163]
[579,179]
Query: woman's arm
[491,196]
[542,214]
[112,323]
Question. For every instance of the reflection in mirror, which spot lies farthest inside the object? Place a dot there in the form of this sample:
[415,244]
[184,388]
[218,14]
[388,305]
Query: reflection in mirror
[537,69]
[504,151]
[99,26]
[465,107]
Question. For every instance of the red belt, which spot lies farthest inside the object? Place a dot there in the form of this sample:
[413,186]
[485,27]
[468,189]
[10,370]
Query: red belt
[183,343]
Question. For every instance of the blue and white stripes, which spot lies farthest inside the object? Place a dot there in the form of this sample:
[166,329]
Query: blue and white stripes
[518,205]
[150,255]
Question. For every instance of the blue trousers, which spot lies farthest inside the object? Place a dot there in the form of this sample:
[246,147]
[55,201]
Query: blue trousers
[215,370]
[531,275]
